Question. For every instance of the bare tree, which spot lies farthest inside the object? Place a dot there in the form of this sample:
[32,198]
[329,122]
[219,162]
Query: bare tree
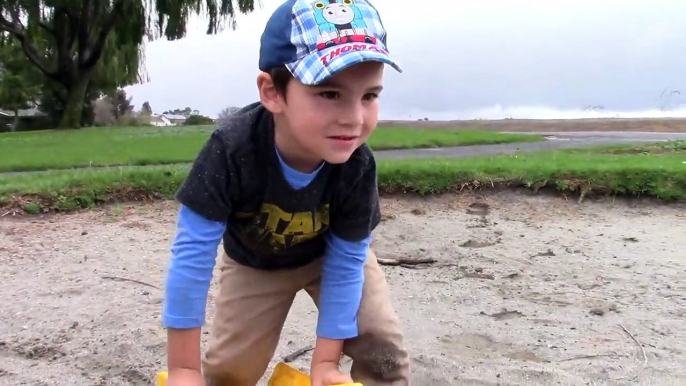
[103,109]
[226,114]
[592,108]
[666,98]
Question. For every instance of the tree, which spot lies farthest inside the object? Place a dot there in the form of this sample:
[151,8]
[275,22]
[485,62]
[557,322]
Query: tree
[186,112]
[146,109]
[122,103]
[19,87]
[197,119]
[119,67]
[65,39]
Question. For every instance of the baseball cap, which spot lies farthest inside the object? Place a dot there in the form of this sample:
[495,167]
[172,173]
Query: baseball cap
[317,39]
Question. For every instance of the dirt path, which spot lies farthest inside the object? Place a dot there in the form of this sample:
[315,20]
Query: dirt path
[526,290]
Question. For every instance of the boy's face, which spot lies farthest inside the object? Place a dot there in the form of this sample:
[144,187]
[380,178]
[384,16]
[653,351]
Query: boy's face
[329,121]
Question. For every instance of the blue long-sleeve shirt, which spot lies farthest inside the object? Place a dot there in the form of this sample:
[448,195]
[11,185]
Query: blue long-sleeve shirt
[194,254]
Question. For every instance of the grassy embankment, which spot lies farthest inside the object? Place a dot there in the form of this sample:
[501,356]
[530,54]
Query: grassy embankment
[94,147]
[654,170]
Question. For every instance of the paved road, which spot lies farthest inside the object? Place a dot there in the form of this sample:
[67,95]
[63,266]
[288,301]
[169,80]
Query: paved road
[553,141]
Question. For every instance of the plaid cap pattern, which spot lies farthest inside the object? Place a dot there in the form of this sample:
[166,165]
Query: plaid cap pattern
[318,66]
[325,37]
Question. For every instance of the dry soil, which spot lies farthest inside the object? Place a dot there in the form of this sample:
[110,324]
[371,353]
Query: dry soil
[525,290]
[664,125]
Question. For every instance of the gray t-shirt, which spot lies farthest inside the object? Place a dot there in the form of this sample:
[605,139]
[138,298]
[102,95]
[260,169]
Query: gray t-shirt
[237,178]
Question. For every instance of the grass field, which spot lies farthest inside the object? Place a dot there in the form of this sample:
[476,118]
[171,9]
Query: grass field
[655,170]
[33,151]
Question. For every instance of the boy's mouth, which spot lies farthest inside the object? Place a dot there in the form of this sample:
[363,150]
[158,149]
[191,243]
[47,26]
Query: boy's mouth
[343,137]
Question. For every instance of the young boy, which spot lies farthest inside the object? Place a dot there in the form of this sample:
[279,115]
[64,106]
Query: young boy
[290,187]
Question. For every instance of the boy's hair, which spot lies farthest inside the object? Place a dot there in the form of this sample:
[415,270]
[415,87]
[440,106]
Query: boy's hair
[280,77]
[315,39]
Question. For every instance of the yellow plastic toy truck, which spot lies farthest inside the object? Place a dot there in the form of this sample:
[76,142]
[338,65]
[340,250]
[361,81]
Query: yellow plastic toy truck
[284,375]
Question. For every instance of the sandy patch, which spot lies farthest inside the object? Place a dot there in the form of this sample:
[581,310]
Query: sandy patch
[525,290]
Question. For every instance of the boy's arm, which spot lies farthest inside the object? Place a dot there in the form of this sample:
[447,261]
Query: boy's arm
[205,208]
[348,240]
[190,273]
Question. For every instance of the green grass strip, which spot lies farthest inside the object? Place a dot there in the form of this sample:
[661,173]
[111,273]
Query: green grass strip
[661,175]
[138,146]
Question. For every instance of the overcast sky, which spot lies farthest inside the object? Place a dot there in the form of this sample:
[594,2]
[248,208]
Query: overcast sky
[465,60]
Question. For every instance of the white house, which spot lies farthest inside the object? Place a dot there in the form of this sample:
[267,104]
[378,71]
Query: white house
[160,120]
[175,119]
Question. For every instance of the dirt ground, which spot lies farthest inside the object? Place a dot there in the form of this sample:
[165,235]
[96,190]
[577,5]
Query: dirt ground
[532,290]
[660,125]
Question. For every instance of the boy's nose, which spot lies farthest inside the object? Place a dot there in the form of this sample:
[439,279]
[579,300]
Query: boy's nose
[353,116]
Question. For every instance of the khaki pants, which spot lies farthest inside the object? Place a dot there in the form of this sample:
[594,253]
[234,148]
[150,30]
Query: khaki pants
[251,309]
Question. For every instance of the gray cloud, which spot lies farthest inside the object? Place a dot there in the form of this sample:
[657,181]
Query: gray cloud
[465,59]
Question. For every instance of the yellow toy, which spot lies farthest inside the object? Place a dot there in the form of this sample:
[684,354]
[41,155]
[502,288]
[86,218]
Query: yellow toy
[284,375]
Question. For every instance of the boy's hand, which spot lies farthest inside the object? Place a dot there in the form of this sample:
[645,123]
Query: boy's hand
[185,377]
[327,374]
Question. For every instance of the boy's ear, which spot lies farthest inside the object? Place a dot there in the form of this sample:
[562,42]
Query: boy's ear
[269,96]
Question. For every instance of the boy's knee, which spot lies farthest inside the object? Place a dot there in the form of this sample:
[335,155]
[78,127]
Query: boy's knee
[240,369]
[379,359]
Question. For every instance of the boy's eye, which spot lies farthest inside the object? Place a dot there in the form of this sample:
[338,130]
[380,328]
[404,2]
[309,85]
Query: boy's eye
[330,94]
[370,96]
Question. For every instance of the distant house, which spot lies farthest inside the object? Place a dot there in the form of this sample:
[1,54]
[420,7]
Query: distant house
[175,119]
[160,120]
[29,119]
[22,113]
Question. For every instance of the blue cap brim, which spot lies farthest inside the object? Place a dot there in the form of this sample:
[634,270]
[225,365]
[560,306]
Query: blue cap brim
[320,65]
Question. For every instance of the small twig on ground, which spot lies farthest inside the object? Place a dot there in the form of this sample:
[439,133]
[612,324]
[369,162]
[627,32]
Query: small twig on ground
[590,357]
[6,213]
[297,354]
[396,262]
[117,278]
[643,352]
